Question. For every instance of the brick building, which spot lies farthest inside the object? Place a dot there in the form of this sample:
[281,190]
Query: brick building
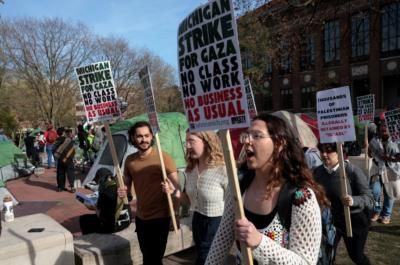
[326,44]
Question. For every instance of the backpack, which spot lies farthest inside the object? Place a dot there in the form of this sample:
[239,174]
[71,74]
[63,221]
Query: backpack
[327,251]
[114,216]
[51,136]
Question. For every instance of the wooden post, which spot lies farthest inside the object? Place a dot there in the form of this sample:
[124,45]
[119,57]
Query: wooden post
[120,180]
[234,184]
[164,173]
[343,184]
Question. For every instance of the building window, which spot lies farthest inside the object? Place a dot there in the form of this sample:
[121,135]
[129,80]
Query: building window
[359,35]
[247,63]
[332,41]
[268,65]
[287,98]
[307,58]
[308,97]
[390,28]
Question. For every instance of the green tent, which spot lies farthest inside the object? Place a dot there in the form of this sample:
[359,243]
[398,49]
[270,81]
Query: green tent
[173,126]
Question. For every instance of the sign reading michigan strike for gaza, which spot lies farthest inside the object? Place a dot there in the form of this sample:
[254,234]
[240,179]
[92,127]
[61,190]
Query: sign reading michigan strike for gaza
[210,68]
[98,91]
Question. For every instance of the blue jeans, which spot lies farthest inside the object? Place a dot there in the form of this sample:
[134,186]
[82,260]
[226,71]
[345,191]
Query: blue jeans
[49,151]
[386,209]
[204,229]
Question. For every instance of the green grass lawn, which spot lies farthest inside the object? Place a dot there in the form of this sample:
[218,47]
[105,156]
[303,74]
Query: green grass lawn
[383,244]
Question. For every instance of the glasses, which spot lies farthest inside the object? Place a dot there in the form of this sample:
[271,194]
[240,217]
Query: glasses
[252,136]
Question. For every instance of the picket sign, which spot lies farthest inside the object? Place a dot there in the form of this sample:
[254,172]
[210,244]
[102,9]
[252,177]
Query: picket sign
[99,97]
[336,125]
[120,179]
[234,184]
[212,85]
[343,177]
[164,173]
[365,112]
[144,75]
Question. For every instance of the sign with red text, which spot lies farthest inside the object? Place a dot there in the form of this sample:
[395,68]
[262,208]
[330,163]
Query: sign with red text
[210,69]
[366,108]
[250,99]
[98,91]
[335,115]
[392,119]
[144,76]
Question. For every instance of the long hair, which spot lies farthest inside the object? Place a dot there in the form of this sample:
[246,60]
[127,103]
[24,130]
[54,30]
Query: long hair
[288,160]
[212,150]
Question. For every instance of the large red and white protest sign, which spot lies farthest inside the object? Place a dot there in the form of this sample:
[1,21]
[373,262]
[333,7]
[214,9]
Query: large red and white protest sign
[210,69]
[335,115]
[250,99]
[366,108]
[98,91]
[392,119]
[144,76]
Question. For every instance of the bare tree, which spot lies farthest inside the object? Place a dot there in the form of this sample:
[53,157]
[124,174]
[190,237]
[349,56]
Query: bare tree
[43,54]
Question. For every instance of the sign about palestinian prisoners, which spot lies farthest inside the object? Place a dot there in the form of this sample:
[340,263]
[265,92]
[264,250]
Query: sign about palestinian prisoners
[250,99]
[210,68]
[144,76]
[335,115]
[98,91]
[366,108]
[392,119]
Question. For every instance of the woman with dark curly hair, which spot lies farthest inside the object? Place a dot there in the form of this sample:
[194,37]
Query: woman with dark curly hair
[205,188]
[275,159]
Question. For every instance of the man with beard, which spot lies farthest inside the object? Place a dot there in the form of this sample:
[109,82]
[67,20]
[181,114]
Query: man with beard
[143,169]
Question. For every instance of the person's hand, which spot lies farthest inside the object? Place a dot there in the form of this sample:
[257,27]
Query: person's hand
[347,200]
[167,186]
[122,192]
[247,233]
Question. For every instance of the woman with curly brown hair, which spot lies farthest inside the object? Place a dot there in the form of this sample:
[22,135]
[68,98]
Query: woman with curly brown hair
[275,160]
[205,188]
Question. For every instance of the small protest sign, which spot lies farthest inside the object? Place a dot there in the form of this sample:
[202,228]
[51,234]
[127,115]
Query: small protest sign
[98,91]
[250,99]
[392,119]
[210,68]
[366,108]
[335,115]
[144,76]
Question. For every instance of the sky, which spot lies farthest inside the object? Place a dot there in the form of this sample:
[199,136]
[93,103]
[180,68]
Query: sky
[150,24]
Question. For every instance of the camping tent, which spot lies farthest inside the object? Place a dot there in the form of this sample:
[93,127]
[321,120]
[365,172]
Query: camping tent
[7,152]
[173,126]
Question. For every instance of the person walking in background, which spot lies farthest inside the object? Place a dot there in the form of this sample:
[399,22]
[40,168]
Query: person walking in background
[143,170]
[276,165]
[50,136]
[359,199]
[205,188]
[64,153]
[384,163]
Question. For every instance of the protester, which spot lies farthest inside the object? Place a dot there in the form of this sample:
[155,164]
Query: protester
[383,152]
[38,149]
[107,208]
[64,153]
[276,162]
[29,144]
[143,170]
[359,199]
[50,136]
[205,188]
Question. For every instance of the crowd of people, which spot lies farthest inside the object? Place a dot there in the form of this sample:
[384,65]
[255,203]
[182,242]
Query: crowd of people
[58,148]
[285,189]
